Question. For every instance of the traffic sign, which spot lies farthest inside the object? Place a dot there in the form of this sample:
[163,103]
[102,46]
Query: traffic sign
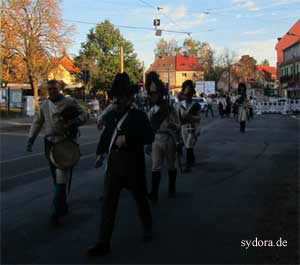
[156,22]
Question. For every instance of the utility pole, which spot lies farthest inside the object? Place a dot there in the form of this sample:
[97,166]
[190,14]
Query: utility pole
[169,78]
[121,59]
[144,75]
[229,79]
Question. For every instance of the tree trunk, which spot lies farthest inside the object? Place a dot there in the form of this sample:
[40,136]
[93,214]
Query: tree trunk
[34,87]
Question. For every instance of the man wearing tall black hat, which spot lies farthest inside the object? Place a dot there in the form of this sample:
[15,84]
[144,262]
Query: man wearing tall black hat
[126,132]
[60,116]
[164,121]
[189,114]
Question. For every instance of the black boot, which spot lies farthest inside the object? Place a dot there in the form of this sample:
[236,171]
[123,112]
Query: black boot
[192,157]
[189,158]
[100,249]
[153,196]
[172,183]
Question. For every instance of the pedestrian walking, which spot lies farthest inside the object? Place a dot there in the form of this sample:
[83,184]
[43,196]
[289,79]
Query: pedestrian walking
[222,106]
[126,132]
[95,107]
[209,107]
[228,106]
[166,125]
[243,111]
[251,107]
[189,114]
[60,116]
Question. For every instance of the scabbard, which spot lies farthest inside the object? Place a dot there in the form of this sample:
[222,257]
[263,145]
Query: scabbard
[70,180]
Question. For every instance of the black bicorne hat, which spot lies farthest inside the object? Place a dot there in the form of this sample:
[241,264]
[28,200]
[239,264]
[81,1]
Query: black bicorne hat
[120,85]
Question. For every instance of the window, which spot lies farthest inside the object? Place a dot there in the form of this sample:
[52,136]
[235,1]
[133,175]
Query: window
[184,74]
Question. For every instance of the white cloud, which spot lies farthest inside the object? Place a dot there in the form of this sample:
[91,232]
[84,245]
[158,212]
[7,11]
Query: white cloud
[247,4]
[254,32]
[187,23]
[260,50]
[176,13]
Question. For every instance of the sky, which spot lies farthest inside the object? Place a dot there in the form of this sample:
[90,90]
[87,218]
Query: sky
[243,26]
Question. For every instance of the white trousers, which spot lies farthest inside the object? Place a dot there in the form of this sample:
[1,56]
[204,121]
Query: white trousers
[189,136]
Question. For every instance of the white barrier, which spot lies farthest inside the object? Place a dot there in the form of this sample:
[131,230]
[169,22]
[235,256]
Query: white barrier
[282,106]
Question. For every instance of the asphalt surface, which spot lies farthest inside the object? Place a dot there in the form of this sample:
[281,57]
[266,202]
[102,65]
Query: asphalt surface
[240,188]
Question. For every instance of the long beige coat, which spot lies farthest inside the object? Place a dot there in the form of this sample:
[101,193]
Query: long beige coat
[243,111]
[48,117]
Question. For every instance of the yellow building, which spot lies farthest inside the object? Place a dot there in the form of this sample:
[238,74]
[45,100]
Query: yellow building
[64,69]
[180,68]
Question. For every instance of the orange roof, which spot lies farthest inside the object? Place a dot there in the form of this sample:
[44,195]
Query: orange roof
[67,63]
[268,71]
[187,63]
[286,41]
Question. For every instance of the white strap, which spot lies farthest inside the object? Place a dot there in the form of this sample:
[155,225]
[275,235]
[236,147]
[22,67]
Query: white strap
[116,131]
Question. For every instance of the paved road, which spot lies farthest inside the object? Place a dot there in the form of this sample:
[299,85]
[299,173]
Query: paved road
[240,181]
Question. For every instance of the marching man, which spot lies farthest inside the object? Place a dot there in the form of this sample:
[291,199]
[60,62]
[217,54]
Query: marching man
[165,123]
[60,116]
[189,114]
[126,131]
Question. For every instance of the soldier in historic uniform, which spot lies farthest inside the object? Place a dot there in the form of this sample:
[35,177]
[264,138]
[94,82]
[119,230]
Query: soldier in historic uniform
[164,121]
[60,116]
[189,114]
[126,131]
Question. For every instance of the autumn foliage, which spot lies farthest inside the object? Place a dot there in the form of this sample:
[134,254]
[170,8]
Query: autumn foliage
[32,32]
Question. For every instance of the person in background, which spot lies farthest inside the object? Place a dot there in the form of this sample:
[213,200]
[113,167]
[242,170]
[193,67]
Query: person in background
[95,106]
[251,107]
[222,106]
[209,107]
[189,115]
[243,107]
[228,106]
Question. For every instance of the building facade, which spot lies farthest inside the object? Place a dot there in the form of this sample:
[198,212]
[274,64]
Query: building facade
[290,70]
[286,41]
[263,81]
[64,69]
[177,69]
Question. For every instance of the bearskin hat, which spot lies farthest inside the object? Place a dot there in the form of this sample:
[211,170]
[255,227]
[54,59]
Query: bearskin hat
[188,88]
[154,84]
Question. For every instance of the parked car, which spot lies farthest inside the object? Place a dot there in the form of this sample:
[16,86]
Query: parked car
[202,102]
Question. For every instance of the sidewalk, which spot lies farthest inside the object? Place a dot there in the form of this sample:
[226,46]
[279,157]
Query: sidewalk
[6,123]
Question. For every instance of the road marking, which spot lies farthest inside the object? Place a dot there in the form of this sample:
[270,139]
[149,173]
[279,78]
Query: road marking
[17,134]
[41,169]
[37,154]
[294,117]
[17,123]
